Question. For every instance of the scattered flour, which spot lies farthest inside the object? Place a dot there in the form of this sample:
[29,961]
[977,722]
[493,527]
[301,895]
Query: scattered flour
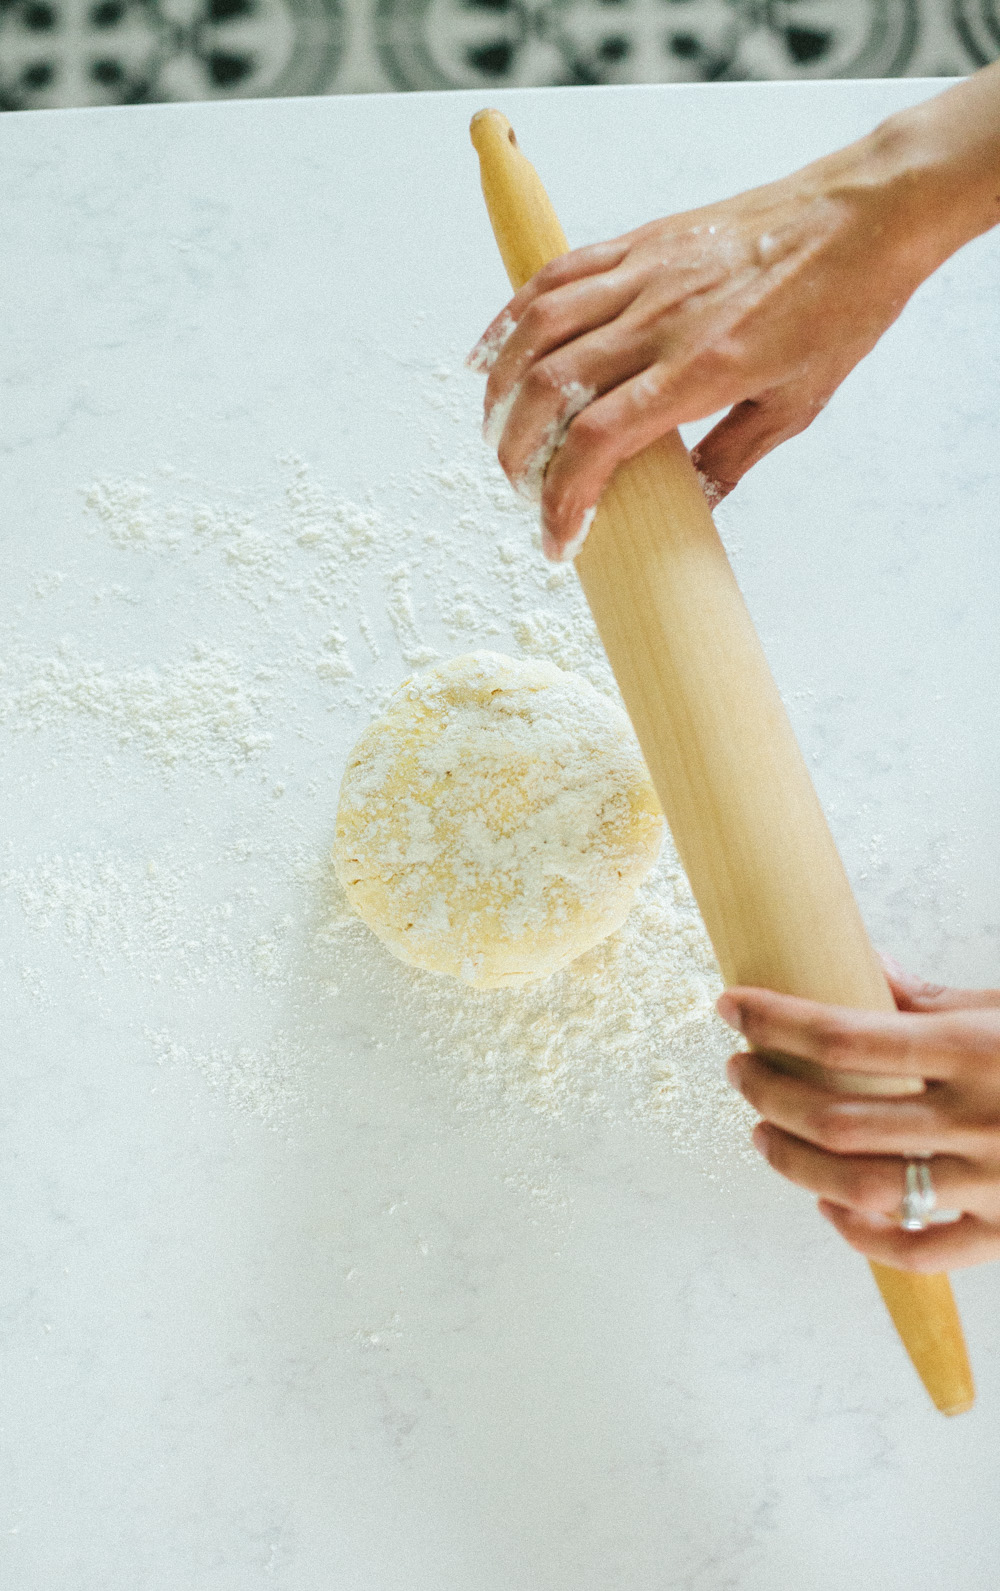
[335,663]
[399,606]
[117,911]
[124,512]
[310,608]
[626,1030]
[197,710]
[260,1082]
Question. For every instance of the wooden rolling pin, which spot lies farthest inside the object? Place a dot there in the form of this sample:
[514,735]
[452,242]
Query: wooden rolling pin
[728,771]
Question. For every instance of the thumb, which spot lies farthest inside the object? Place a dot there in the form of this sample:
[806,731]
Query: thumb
[914,994]
[749,431]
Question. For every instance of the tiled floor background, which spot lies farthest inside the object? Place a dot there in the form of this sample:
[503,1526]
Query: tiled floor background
[101,52]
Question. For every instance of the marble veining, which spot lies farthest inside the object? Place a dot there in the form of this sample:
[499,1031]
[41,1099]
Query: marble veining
[378,1345]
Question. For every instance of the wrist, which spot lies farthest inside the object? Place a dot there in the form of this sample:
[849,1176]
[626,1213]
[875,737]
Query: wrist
[938,164]
[910,195]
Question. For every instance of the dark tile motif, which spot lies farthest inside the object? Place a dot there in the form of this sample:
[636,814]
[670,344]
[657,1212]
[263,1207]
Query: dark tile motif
[474,43]
[978,26]
[99,52]
[123,52]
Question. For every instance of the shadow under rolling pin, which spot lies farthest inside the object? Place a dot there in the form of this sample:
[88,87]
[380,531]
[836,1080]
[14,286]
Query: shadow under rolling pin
[728,771]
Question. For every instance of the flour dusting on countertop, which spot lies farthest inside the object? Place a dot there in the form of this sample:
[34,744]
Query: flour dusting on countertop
[199,708]
[252,641]
[622,1032]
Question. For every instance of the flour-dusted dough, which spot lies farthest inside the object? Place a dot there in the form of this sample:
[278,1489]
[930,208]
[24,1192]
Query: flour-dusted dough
[496,820]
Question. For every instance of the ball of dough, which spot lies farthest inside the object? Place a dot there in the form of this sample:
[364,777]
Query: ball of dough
[496,820]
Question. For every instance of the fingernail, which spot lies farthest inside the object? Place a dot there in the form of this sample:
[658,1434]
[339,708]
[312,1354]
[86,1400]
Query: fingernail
[572,547]
[496,421]
[734,1071]
[730,1011]
[550,547]
[759,1138]
[566,551]
[892,965]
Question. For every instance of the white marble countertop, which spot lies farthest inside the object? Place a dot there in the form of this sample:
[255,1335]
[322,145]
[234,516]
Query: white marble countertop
[275,1313]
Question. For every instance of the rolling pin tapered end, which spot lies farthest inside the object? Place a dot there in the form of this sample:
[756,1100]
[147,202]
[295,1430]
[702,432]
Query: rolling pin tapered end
[924,1312]
[524,223]
[487,124]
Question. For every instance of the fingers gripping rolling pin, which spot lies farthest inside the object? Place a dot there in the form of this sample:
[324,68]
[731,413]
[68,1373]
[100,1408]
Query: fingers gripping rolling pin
[720,749]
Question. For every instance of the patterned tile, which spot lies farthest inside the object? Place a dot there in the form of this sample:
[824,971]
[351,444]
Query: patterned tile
[106,52]
[977,23]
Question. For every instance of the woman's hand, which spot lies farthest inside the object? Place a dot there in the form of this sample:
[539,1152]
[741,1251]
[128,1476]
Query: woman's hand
[763,302]
[760,304]
[852,1150]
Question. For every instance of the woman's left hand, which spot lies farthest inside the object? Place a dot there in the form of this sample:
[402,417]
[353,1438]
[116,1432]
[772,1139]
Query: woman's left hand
[852,1149]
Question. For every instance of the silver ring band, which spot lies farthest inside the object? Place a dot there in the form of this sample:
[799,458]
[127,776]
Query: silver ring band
[919,1200]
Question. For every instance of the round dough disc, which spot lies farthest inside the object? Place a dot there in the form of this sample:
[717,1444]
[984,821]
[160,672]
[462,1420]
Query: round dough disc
[496,820]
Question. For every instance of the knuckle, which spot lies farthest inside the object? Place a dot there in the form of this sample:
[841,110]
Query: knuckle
[550,274]
[542,380]
[722,364]
[618,276]
[537,318]
[588,430]
[647,391]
